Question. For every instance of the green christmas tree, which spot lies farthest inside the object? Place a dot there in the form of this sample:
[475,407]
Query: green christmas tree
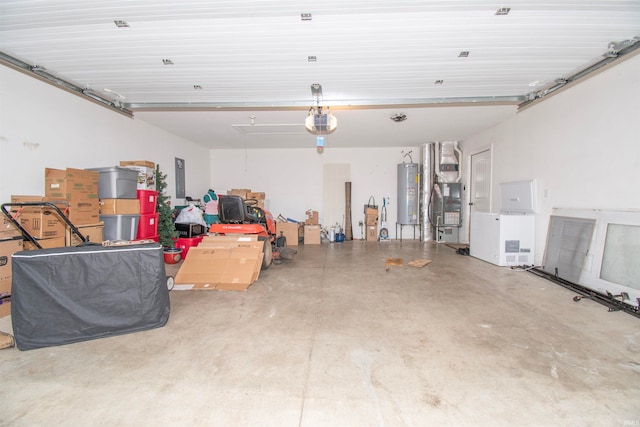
[166,230]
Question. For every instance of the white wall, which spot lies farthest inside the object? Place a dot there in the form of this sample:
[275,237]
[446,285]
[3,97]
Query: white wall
[293,178]
[582,146]
[43,126]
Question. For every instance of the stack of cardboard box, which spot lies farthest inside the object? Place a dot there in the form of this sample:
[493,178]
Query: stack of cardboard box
[371,223]
[10,243]
[43,223]
[79,188]
[311,228]
[75,193]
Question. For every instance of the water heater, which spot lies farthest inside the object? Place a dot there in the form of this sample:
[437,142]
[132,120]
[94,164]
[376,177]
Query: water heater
[408,194]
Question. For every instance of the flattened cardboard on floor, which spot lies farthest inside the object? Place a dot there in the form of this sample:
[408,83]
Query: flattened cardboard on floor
[237,241]
[223,268]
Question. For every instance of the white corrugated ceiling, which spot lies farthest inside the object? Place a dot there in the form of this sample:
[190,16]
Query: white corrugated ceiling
[401,55]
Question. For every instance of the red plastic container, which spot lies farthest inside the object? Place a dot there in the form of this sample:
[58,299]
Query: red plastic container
[147,226]
[185,243]
[148,200]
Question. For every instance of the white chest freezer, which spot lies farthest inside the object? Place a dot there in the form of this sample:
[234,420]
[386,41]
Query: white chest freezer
[501,239]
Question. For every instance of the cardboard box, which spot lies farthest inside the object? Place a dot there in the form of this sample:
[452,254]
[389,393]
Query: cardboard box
[143,163]
[93,232]
[224,268]
[5,306]
[7,248]
[255,195]
[41,222]
[84,211]
[242,192]
[146,173]
[56,242]
[258,196]
[311,234]
[7,229]
[371,211]
[290,230]
[71,184]
[119,206]
[371,219]
[79,188]
[312,217]
[372,233]
[232,241]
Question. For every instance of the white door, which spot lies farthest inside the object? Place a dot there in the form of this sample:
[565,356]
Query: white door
[480,200]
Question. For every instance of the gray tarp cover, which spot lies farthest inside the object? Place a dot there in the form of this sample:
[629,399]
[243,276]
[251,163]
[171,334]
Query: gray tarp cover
[66,295]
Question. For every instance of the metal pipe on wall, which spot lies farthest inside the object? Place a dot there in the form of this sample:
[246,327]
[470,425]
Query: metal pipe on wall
[427,157]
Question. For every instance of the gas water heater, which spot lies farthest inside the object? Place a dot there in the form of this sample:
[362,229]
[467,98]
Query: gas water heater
[408,194]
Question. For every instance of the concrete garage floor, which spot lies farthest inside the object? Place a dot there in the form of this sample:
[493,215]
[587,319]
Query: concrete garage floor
[333,339]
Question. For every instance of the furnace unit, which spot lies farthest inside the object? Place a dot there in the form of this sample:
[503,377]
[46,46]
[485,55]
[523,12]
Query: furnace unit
[446,211]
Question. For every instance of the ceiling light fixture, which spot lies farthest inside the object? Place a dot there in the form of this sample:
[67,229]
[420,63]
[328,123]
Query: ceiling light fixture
[197,87]
[312,58]
[463,54]
[167,62]
[503,11]
[121,24]
[319,121]
[438,82]
[399,117]
[305,16]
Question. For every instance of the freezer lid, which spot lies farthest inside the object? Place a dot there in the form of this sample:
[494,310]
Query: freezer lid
[518,197]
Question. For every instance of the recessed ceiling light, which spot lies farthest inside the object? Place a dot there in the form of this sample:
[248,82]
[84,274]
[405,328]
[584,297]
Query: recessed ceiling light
[120,23]
[197,87]
[438,82]
[305,16]
[463,54]
[503,11]
[312,58]
[399,117]
[167,62]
